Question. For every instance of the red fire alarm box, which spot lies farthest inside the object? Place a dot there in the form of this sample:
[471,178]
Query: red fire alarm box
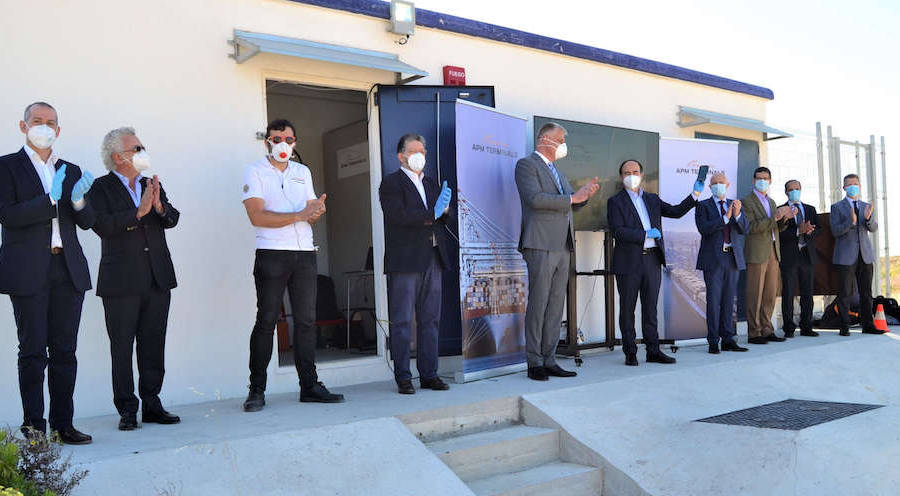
[454,76]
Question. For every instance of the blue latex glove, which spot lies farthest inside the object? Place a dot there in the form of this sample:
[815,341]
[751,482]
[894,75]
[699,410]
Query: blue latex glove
[443,201]
[57,186]
[82,186]
[654,233]
[698,187]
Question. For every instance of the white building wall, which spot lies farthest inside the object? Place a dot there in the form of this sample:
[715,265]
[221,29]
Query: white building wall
[162,67]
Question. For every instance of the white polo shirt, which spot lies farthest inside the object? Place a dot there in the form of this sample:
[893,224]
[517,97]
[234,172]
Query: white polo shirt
[282,192]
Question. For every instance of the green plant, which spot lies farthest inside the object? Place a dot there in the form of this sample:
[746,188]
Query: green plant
[36,467]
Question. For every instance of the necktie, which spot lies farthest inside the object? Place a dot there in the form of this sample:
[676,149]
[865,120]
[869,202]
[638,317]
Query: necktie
[856,209]
[800,212]
[555,176]
[727,226]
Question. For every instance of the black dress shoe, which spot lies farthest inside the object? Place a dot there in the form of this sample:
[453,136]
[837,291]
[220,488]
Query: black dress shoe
[872,330]
[537,374]
[788,334]
[758,340]
[631,359]
[732,346]
[772,337]
[557,371]
[714,349]
[844,332]
[406,387]
[72,435]
[809,332]
[317,393]
[256,400]
[159,416]
[659,357]
[435,384]
[128,422]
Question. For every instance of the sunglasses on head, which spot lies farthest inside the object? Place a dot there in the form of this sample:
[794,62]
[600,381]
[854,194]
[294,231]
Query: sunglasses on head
[287,139]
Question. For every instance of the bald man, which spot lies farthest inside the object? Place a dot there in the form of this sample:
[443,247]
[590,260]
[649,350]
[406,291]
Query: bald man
[722,227]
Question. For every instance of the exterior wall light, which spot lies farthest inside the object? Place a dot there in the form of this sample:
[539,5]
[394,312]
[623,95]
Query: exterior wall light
[403,17]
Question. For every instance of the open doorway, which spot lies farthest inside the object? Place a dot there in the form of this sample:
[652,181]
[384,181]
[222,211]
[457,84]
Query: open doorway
[332,140]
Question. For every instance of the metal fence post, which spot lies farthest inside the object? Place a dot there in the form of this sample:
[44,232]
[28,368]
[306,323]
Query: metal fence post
[886,224]
[872,182]
[832,166]
[821,161]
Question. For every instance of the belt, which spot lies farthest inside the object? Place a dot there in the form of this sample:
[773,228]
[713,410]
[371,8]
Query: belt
[727,249]
[56,251]
[649,251]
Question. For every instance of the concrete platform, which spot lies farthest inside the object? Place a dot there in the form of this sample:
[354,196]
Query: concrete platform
[645,426]
[637,420]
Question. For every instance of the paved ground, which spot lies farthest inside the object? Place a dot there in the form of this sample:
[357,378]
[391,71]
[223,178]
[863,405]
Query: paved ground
[638,418]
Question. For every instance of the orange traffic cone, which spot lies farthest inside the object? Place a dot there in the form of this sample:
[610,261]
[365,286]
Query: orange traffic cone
[880,321]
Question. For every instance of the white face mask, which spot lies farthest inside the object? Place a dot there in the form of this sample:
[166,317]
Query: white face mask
[416,162]
[141,161]
[282,152]
[561,151]
[632,182]
[42,137]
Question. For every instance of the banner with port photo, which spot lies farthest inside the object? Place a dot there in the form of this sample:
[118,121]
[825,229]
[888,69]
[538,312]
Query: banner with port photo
[684,292]
[493,281]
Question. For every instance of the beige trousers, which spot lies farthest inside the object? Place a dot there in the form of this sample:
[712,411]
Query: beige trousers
[762,290]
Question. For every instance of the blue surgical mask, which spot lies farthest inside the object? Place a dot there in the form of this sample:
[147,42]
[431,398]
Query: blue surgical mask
[794,195]
[761,185]
[718,190]
[852,190]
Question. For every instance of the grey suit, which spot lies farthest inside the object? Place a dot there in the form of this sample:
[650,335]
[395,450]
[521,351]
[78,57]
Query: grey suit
[852,241]
[853,258]
[546,242]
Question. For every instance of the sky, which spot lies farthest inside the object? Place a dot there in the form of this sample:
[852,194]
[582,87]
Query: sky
[829,61]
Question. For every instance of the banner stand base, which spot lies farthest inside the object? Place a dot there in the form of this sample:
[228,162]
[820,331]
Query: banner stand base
[462,377]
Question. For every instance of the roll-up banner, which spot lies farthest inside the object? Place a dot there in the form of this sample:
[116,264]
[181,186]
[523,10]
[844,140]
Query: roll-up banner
[493,281]
[684,292]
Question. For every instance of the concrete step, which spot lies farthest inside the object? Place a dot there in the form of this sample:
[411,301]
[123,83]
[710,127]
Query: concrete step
[457,420]
[556,477]
[509,449]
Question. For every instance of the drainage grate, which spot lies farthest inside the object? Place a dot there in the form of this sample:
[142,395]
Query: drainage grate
[792,415]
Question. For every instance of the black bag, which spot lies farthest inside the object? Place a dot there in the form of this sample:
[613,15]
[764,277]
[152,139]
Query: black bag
[831,318]
[891,308]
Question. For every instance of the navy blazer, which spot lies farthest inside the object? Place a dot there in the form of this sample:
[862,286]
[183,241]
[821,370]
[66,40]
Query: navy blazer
[711,227]
[409,225]
[790,242]
[628,231]
[852,241]
[127,243]
[25,214]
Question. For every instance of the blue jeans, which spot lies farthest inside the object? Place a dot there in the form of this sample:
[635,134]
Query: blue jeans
[419,291]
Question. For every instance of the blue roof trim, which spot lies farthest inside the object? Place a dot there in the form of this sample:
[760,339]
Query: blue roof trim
[436,20]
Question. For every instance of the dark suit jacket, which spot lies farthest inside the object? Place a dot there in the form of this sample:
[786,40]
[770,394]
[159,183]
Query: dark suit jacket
[711,227]
[25,214]
[409,225]
[790,242]
[127,243]
[546,212]
[628,231]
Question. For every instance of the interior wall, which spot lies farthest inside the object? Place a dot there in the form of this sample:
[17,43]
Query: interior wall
[350,232]
[314,113]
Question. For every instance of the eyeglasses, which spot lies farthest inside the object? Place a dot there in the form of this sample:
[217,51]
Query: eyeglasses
[136,149]
[287,139]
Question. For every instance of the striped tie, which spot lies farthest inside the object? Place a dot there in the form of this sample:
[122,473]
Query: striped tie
[555,176]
